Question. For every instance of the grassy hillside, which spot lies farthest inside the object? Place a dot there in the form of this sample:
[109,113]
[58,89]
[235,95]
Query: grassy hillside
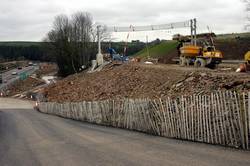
[233,46]
[157,51]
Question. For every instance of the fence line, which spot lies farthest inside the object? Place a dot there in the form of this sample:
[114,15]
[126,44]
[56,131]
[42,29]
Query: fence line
[220,118]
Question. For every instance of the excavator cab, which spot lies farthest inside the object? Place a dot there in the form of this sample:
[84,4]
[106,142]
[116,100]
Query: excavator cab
[208,49]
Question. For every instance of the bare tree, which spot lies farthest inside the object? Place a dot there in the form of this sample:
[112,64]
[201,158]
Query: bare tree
[71,41]
[81,37]
[104,34]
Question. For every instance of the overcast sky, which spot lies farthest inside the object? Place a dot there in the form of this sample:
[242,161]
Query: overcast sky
[30,20]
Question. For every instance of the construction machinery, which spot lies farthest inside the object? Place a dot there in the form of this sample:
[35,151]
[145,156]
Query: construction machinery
[200,54]
[247,58]
[246,66]
[115,56]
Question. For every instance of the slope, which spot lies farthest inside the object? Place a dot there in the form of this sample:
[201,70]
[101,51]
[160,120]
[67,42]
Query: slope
[161,50]
[135,80]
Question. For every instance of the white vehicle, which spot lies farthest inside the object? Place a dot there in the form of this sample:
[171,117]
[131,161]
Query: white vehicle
[14,73]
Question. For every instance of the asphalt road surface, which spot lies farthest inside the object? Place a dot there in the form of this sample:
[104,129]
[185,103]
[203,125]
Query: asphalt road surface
[9,78]
[30,138]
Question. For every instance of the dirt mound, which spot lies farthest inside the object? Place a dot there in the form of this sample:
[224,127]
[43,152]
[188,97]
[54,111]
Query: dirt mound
[125,81]
[206,83]
[143,81]
[168,59]
[23,85]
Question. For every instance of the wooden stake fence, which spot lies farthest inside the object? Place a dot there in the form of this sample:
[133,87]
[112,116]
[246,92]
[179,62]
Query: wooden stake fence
[220,118]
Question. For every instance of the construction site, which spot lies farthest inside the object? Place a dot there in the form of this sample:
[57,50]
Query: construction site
[142,83]
[186,65]
[193,88]
[199,83]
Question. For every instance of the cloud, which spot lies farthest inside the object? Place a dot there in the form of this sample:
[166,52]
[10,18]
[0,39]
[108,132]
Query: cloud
[32,19]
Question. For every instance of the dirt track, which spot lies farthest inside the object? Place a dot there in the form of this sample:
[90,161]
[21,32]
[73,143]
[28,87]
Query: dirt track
[146,81]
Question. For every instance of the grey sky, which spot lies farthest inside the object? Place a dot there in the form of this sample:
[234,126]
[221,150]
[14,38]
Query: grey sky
[30,20]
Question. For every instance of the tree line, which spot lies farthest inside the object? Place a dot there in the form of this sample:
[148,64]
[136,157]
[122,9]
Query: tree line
[12,52]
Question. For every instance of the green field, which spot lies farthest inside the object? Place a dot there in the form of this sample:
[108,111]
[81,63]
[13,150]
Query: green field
[159,50]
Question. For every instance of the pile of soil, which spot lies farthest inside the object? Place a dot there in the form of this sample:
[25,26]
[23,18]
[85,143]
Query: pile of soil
[23,85]
[206,83]
[143,81]
[168,59]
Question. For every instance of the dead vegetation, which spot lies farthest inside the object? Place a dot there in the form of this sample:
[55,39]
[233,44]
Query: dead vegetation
[23,85]
[144,81]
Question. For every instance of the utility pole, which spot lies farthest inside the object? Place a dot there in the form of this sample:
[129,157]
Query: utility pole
[195,28]
[191,26]
[147,46]
[99,56]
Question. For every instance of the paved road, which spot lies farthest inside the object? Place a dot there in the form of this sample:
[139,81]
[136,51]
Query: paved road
[30,138]
[11,78]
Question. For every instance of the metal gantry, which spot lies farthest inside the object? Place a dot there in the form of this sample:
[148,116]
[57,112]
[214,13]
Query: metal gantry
[192,23]
[133,28]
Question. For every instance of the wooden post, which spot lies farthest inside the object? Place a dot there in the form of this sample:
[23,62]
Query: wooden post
[245,121]
[240,121]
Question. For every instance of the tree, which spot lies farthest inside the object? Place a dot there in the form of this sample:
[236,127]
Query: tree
[71,41]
